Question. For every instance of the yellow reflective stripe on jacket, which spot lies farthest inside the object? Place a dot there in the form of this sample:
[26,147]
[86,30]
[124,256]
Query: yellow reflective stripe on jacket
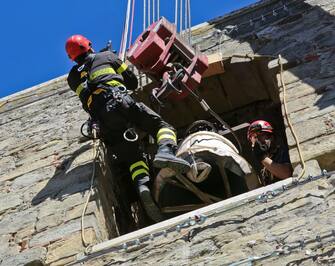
[122,68]
[103,71]
[138,172]
[114,83]
[79,89]
[139,163]
[166,133]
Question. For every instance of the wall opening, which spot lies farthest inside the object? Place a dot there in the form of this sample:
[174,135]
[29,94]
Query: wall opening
[246,91]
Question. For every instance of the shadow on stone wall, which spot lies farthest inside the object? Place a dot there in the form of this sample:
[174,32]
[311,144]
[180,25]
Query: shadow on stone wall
[67,182]
[303,34]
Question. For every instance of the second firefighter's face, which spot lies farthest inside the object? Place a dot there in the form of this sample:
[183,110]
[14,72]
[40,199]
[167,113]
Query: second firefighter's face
[263,138]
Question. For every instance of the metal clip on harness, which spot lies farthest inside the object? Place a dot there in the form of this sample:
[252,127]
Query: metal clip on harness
[130,135]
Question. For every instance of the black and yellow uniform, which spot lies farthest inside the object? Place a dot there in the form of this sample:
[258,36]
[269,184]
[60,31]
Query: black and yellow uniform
[101,81]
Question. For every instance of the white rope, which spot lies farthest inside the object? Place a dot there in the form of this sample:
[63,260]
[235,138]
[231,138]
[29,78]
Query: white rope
[153,11]
[186,14]
[176,14]
[125,32]
[96,146]
[181,17]
[303,166]
[144,14]
[149,8]
[158,7]
[189,21]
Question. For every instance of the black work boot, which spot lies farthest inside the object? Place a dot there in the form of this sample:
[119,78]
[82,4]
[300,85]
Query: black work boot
[147,200]
[165,157]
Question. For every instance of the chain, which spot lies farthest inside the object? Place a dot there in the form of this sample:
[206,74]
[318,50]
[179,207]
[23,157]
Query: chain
[264,197]
[286,249]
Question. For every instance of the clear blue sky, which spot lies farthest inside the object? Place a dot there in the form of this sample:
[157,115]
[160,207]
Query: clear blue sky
[33,32]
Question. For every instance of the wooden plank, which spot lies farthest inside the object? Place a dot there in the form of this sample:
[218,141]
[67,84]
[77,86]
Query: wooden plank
[215,65]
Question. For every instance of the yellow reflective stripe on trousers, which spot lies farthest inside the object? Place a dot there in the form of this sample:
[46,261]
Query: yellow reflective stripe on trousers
[139,163]
[166,133]
[167,136]
[79,89]
[114,83]
[122,68]
[103,71]
[138,172]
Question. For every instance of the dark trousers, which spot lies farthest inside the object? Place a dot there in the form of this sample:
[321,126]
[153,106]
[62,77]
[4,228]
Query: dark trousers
[116,111]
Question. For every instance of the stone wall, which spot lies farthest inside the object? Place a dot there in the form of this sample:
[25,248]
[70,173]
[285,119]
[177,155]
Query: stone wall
[44,177]
[303,33]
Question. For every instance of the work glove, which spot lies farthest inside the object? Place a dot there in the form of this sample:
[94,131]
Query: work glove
[260,150]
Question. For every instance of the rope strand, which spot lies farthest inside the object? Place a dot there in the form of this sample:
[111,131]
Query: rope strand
[96,146]
[289,120]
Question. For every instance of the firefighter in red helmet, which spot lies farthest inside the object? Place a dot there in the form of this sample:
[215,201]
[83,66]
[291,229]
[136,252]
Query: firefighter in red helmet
[273,159]
[102,80]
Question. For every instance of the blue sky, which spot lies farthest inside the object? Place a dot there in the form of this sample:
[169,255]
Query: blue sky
[33,32]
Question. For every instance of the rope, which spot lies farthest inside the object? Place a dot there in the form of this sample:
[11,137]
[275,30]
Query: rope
[186,19]
[125,33]
[158,7]
[144,14]
[189,21]
[181,17]
[176,14]
[131,23]
[288,119]
[153,11]
[149,8]
[96,145]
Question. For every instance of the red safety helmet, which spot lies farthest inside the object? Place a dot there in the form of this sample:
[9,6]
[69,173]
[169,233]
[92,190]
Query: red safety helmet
[76,45]
[259,126]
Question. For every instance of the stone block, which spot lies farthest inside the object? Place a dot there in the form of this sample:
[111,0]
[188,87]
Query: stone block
[69,247]
[321,148]
[9,201]
[313,128]
[7,246]
[50,221]
[13,222]
[32,178]
[26,169]
[312,168]
[51,206]
[63,231]
[32,255]
[7,164]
